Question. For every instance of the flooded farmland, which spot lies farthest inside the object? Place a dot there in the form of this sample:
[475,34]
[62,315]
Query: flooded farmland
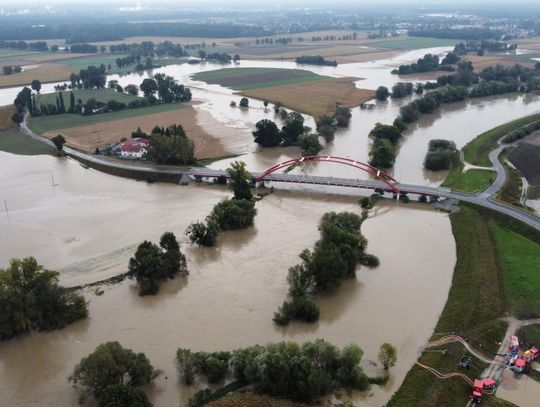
[229,297]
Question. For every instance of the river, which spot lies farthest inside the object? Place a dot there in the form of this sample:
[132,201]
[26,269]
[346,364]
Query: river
[89,224]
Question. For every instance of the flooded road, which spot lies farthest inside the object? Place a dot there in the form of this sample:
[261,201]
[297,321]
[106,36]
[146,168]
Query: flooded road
[520,390]
[229,297]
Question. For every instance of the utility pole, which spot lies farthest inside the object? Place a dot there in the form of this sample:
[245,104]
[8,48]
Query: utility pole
[7,212]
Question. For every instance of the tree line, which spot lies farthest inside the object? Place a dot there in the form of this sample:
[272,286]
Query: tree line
[314,60]
[335,257]
[464,84]
[429,63]
[229,214]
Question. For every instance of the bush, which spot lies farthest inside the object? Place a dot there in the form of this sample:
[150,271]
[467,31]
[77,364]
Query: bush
[369,260]
[300,308]
[203,233]
[365,202]
[231,214]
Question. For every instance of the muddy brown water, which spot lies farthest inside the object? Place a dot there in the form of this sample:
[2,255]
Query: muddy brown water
[89,224]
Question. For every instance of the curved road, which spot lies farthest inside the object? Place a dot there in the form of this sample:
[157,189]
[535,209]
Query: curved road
[484,198]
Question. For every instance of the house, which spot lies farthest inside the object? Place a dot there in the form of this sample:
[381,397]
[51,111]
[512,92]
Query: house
[134,148]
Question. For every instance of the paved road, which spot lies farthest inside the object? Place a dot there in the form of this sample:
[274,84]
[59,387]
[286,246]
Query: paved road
[484,199]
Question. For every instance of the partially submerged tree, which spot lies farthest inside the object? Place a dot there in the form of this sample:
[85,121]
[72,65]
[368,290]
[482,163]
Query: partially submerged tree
[239,180]
[59,142]
[387,355]
[111,364]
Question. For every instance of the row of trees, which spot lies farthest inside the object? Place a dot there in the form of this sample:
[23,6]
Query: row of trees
[23,45]
[167,88]
[229,214]
[152,263]
[299,372]
[314,60]
[32,300]
[335,257]
[287,370]
[427,63]
[464,84]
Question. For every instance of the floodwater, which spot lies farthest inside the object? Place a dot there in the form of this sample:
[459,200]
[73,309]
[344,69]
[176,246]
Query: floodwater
[229,297]
[460,122]
[520,390]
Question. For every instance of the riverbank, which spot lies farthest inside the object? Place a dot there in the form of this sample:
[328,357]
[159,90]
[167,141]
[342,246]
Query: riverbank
[494,255]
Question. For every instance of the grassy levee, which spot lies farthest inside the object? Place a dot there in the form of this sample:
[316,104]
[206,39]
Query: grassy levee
[471,181]
[42,124]
[495,262]
[511,191]
[15,142]
[477,151]
[101,95]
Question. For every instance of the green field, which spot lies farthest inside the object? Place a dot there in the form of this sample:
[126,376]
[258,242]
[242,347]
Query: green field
[477,151]
[101,95]
[96,60]
[254,78]
[531,333]
[521,268]
[13,141]
[42,124]
[471,181]
[414,43]
[489,277]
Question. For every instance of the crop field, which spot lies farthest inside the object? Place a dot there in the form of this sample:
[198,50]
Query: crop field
[101,95]
[316,98]
[413,43]
[526,158]
[44,72]
[5,117]
[42,124]
[253,78]
[101,134]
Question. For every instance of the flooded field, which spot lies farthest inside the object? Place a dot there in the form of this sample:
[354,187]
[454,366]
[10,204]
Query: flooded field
[229,297]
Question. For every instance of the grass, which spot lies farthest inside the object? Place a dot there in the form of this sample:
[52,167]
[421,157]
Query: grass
[13,141]
[43,124]
[511,191]
[413,43]
[471,181]
[489,247]
[101,95]
[248,399]
[96,60]
[521,269]
[531,333]
[254,78]
[477,151]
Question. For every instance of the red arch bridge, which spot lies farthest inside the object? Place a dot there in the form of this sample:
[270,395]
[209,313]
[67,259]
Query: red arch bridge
[283,172]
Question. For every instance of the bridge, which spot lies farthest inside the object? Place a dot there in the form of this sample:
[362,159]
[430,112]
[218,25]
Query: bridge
[281,173]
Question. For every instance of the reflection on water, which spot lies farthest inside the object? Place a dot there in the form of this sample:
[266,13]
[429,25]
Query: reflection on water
[229,297]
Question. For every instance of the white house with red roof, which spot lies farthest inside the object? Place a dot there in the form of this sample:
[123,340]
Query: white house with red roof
[134,148]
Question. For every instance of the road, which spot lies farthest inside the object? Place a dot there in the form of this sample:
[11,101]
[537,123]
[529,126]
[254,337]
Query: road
[484,198]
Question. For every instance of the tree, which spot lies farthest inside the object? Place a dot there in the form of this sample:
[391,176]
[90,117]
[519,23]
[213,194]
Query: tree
[17,118]
[382,154]
[186,365]
[71,103]
[36,85]
[382,93]
[132,89]
[147,267]
[111,364]
[32,300]
[231,214]
[292,128]
[59,142]
[387,355]
[267,133]
[384,131]
[265,103]
[244,102]
[152,263]
[121,395]
[203,234]
[239,180]
[309,143]
[149,87]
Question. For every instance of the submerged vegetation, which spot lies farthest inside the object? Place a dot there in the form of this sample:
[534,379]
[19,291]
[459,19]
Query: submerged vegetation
[31,300]
[285,370]
[335,257]
[152,263]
